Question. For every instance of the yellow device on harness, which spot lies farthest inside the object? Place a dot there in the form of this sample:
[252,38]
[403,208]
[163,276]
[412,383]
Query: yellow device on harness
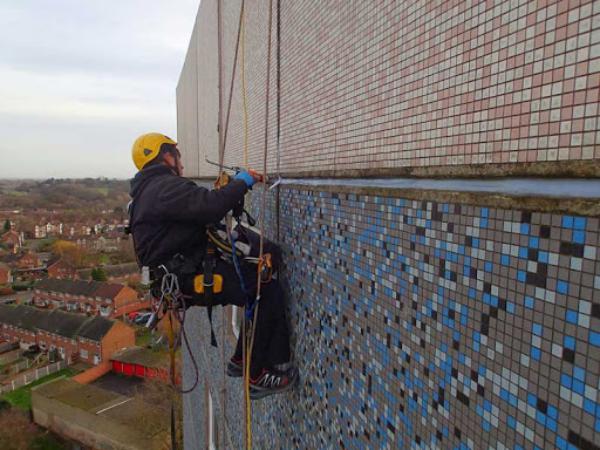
[217,284]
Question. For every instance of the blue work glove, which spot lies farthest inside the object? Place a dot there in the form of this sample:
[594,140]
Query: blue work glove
[246,177]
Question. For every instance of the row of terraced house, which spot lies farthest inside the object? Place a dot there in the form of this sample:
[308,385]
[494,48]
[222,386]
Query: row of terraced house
[89,297]
[73,337]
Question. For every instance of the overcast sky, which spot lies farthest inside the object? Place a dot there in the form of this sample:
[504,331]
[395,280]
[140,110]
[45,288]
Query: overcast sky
[80,80]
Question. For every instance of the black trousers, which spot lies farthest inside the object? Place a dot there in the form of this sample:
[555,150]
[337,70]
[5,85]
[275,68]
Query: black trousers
[271,335]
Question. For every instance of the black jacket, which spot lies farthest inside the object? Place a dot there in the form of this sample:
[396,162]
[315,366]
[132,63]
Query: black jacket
[169,213]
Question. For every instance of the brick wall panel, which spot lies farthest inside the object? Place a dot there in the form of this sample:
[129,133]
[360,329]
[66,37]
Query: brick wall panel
[370,85]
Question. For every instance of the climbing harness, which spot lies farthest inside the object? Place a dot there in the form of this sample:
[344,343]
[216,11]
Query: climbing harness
[207,287]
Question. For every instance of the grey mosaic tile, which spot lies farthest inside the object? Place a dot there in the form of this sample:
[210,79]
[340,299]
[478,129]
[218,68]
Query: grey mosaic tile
[431,325]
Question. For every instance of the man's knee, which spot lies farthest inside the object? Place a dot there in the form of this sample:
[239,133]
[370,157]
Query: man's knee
[272,294]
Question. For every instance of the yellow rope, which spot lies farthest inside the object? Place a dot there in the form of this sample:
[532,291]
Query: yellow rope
[247,356]
[244,97]
[246,347]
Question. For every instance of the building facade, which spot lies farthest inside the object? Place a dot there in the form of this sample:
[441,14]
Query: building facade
[142,363]
[58,268]
[28,261]
[12,240]
[25,267]
[439,218]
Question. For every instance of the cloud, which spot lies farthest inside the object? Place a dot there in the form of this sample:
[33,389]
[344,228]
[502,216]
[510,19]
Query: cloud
[80,80]
[75,96]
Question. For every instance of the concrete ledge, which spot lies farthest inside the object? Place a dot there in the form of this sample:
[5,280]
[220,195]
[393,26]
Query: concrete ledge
[548,169]
[570,205]
[545,169]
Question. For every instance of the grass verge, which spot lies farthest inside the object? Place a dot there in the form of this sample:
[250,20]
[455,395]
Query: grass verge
[21,398]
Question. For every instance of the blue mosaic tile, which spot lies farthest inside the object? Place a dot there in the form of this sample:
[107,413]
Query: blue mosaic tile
[435,325]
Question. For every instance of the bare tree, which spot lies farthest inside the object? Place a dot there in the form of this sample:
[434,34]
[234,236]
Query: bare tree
[16,431]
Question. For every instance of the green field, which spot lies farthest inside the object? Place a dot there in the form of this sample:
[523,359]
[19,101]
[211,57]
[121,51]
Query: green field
[21,398]
[15,193]
[102,190]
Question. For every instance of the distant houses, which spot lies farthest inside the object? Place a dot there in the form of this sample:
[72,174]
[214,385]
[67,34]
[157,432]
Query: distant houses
[71,337]
[77,229]
[47,230]
[29,261]
[27,266]
[24,266]
[58,268]
[90,297]
[118,273]
[12,241]
[21,261]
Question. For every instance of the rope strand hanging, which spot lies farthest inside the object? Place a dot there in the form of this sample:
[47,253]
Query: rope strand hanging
[248,328]
[221,161]
[262,230]
[222,143]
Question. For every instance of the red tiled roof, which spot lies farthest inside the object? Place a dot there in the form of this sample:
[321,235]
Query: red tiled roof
[9,234]
[79,287]
[56,322]
[107,290]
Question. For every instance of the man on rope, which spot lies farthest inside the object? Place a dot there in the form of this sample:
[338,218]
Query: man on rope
[169,216]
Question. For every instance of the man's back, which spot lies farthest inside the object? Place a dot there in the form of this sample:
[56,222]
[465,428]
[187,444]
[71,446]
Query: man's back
[169,213]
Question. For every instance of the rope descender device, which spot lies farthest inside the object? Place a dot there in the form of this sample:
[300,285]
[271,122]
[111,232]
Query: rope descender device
[224,178]
[265,268]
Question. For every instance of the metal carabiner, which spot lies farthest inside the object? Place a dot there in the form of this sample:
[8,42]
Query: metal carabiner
[169,284]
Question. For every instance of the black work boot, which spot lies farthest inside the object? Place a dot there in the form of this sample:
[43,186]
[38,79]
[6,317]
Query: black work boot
[235,367]
[271,381]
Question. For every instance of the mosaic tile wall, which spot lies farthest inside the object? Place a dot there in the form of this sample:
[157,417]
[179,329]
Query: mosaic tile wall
[417,325]
[429,325]
[383,84]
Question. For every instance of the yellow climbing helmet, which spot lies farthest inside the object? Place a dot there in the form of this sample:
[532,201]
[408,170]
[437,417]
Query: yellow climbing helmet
[147,147]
